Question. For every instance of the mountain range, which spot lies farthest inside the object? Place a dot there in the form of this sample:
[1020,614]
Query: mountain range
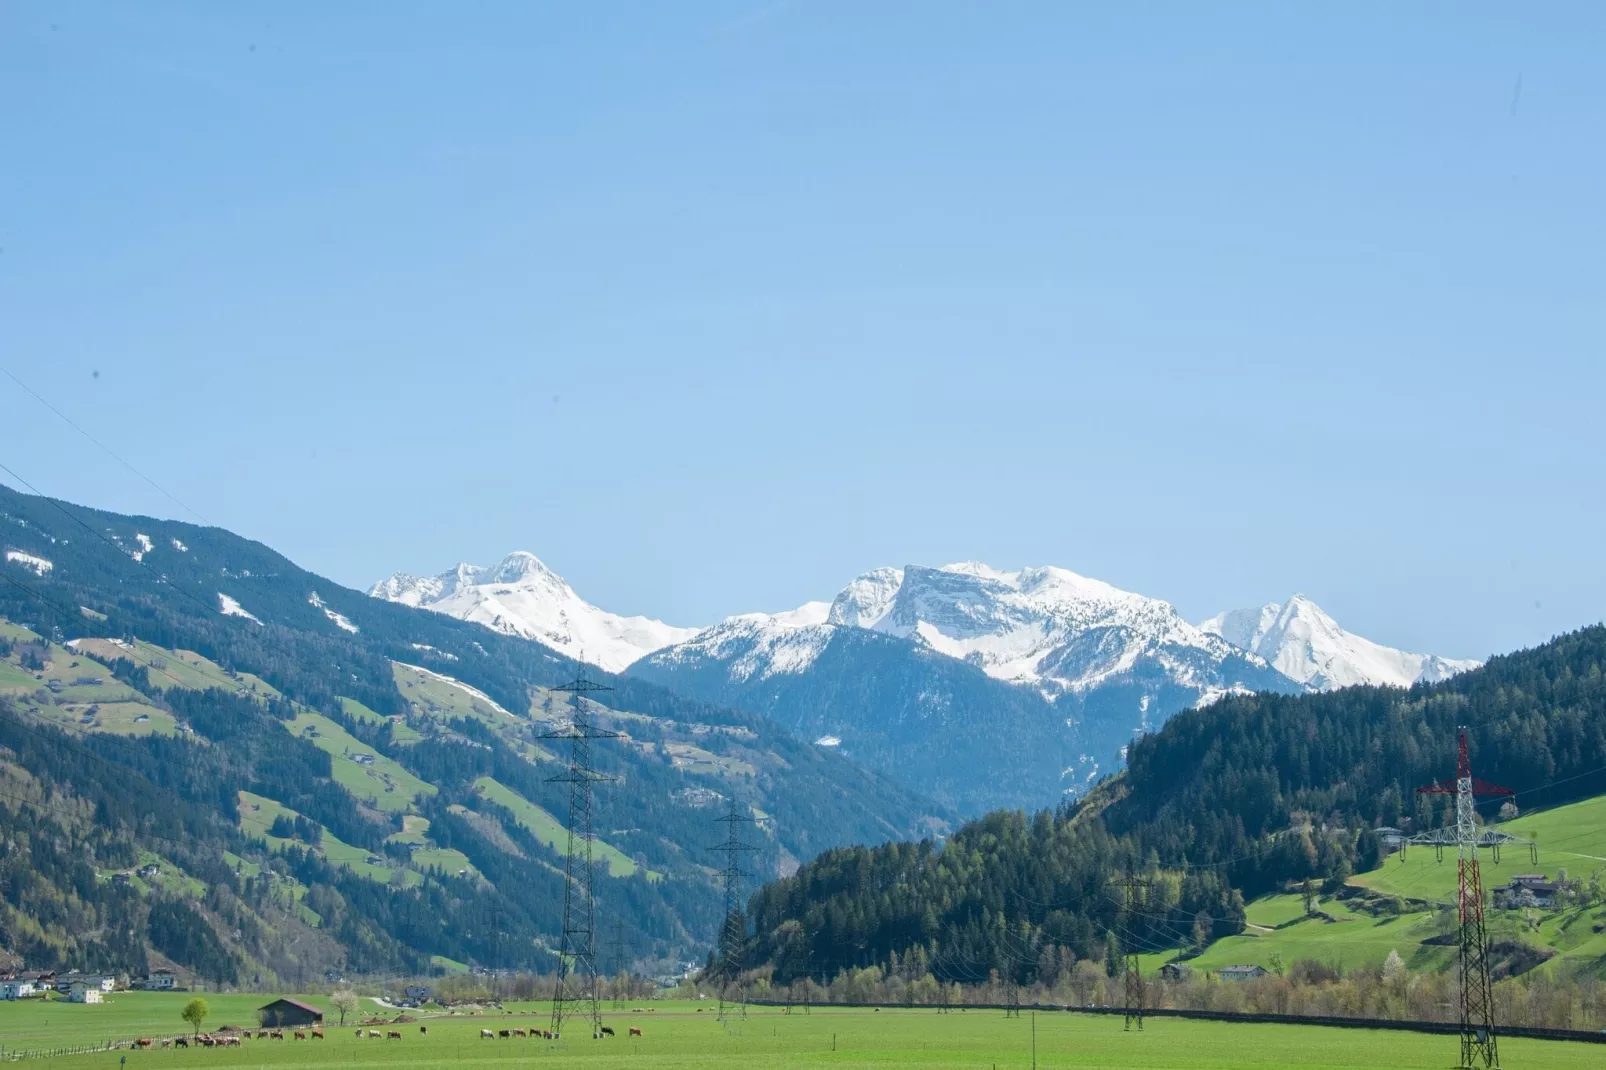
[1069,666]
[215,760]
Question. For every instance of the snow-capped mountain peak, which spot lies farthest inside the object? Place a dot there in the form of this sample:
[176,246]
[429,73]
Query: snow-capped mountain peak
[522,596]
[1044,626]
[1302,642]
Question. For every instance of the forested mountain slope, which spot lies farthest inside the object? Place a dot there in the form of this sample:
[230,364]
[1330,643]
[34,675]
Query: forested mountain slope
[1220,805]
[326,781]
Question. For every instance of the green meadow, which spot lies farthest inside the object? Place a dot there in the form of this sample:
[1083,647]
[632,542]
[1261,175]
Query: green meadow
[679,1035]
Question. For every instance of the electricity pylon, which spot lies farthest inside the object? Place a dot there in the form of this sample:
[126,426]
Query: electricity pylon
[1136,893]
[1479,1047]
[734,931]
[577,951]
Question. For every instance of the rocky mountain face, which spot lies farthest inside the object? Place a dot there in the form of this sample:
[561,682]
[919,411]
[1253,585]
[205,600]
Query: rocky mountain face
[1303,643]
[522,597]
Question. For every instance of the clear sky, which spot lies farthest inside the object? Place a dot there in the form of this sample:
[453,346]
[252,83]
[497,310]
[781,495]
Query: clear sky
[716,305]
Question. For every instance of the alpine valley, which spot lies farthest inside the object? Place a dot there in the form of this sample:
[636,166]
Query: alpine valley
[979,687]
[216,761]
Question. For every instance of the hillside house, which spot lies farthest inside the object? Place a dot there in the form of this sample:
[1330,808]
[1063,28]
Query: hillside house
[157,981]
[1391,838]
[1528,890]
[1175,971]
[289,1012]
[1241,973]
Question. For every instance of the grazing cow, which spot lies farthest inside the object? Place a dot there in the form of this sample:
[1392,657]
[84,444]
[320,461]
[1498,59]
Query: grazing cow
[607,1030]
[317,1034]
[262,1034]
[232,1042]
[359,1034]
[181,1042]
[519,1033]
[394,1034]
[503,1033]
[373,1034]
[635,1030]
[168,1043]
[486,1034]
[143,1042]
[277,1034]
[299,1035]
[423,1029]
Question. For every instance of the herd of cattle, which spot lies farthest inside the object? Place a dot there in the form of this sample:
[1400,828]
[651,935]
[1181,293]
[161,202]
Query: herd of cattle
[544,1034]
[209,1040]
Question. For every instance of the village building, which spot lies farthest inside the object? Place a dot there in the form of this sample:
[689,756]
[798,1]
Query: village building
[83,992]
[1241,973]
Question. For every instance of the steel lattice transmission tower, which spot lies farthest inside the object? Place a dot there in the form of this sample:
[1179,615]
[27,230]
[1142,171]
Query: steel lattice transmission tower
[1479,1047]
[734,931]
[576,990]
[1135,893]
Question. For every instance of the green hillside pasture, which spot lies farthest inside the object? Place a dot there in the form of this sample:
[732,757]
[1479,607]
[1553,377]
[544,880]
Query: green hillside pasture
[385,784]
[549,830]
[415,830]
[181,668]
[434,695]
[400,731]
[677,1037]
[1571,837]
[1350,941]
[257,814]
[83,695]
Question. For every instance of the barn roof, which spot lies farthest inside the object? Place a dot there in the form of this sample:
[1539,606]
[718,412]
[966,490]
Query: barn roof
[294,1003]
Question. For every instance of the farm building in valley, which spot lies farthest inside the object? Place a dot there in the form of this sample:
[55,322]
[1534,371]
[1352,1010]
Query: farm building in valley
[289,1012]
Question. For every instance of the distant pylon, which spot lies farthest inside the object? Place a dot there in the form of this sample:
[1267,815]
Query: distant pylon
[1136,892]
[1479,1047]
[577,951]
[733,932]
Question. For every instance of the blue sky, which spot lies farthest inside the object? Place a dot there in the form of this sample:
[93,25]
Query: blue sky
[714,306]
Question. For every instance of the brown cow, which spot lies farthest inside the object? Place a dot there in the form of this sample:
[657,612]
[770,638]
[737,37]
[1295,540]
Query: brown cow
[143,1042]
[519,1033]
[299,1035]
[635,1030]
[262,1034]
[394,1034]
[277,1034]
[317,1034]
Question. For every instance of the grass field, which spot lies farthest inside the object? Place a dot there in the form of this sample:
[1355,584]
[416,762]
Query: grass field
[549,830]
[677,1035]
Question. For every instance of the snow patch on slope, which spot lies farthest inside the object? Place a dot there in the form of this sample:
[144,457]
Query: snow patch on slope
[339,620]
[232,608]
[522,597]
[1305,644]
[38,564]
[145,546]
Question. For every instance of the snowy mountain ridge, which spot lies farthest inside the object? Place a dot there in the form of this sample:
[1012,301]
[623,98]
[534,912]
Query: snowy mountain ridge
[521,596]
[1303,643]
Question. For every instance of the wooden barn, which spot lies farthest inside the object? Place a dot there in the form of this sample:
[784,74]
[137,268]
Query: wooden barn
[289,1012]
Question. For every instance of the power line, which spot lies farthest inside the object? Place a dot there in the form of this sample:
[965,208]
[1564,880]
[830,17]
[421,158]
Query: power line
[138,560]
[107,449]
[733,933]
